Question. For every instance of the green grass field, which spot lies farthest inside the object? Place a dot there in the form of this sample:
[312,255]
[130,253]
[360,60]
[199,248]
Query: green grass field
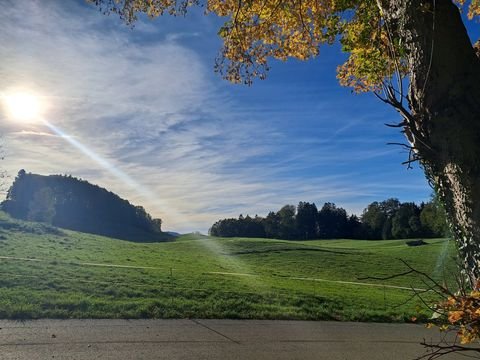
[63,274]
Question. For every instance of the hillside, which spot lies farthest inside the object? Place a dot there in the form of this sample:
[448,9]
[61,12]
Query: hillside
[48,272]
[75,204]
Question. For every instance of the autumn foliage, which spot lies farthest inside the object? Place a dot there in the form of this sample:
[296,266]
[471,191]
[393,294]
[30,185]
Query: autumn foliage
[462,313]
[255,31]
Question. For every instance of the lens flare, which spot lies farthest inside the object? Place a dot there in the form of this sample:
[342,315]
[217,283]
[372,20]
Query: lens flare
[232,266]
[143,191]
[439,266]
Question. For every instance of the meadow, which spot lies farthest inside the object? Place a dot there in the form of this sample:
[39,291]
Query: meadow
[54,273]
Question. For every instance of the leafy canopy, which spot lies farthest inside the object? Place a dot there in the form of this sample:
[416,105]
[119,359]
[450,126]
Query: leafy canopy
[256,30]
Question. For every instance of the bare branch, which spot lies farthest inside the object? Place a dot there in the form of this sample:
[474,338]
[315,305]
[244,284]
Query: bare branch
[399,125]
[408,147]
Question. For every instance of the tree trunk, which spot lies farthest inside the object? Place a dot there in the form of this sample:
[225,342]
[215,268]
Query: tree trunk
[444,101]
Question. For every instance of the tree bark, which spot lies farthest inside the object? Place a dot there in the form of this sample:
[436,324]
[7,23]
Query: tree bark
[444,101]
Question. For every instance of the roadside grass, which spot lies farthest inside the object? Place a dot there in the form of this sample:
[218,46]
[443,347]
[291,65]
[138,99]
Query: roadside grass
[77,275]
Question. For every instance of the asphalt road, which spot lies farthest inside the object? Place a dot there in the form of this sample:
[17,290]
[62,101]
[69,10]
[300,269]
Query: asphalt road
[211,339]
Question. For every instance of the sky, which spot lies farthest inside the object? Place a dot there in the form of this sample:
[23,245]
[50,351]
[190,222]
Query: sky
[142,113]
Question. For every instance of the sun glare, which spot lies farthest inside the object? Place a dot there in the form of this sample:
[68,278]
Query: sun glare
[23,106]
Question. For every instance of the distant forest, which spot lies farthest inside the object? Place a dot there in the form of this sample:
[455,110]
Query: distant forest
[389,219]
[75,204]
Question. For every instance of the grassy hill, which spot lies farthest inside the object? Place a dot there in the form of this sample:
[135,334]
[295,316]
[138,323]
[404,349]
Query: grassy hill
[47,272]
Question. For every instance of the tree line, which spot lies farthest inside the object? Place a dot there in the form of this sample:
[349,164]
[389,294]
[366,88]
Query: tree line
[71,203]
[389,219]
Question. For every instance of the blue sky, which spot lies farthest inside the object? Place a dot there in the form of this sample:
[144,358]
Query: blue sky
[188,146]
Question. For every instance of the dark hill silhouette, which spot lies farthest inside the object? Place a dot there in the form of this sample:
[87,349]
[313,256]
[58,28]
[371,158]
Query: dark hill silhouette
[75,204]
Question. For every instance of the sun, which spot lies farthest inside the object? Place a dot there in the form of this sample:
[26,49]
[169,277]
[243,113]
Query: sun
[23,106]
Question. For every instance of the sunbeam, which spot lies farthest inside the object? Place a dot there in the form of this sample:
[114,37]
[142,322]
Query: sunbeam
[142,190]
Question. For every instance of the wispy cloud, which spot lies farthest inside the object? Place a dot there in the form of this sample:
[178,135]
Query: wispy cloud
[28,133]
[197,148]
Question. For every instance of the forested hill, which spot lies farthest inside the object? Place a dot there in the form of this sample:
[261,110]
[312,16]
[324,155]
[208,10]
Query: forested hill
[75,204]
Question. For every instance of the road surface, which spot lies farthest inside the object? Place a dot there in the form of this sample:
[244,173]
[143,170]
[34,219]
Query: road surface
[210,339]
